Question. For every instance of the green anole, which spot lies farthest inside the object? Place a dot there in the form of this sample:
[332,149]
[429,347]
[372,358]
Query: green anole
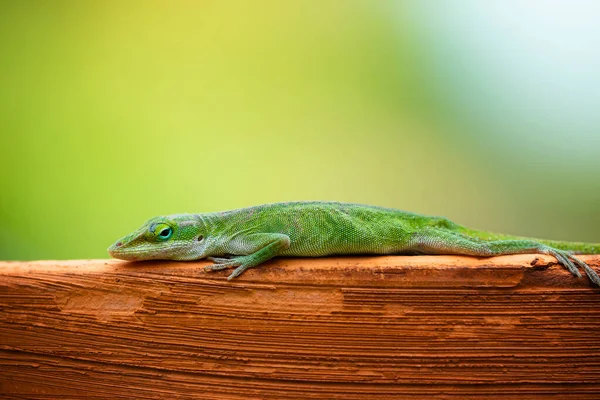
[250,236]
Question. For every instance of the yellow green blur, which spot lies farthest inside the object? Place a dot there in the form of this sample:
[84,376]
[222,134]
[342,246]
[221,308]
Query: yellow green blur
[113,112]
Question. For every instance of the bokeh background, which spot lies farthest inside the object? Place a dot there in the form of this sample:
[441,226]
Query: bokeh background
[112,112]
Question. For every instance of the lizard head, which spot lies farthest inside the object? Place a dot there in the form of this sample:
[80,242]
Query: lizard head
[172,237]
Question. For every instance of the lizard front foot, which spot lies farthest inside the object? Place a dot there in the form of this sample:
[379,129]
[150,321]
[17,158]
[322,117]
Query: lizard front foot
[241,262]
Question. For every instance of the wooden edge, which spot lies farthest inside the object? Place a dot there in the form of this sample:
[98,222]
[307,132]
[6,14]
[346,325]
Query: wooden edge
[524,271]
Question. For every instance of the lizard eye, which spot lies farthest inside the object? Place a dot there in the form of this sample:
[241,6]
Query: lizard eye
[163,231]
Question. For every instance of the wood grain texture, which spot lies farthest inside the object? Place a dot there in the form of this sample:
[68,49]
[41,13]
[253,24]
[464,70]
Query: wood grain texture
[513,327]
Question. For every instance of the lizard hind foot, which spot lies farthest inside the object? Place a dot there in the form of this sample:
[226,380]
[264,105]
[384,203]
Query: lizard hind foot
[593,275]
[564,258]
[569,261]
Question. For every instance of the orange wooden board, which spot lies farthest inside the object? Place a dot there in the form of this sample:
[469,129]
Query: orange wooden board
[427,327]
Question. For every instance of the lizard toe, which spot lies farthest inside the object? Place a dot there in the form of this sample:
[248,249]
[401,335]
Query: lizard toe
[238,271]
[218,267]
[219,260]
[593,275]
[563,258]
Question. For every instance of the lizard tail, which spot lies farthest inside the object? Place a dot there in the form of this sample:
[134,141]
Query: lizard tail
[575,247]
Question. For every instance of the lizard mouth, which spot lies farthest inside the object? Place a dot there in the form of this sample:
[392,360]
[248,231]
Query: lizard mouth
[123,254]
[118,250]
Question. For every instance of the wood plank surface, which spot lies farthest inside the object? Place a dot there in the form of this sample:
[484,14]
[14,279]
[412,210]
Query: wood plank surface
[422,327]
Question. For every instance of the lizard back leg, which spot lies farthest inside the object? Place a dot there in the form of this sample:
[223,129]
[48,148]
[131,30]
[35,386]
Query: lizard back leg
[436,241]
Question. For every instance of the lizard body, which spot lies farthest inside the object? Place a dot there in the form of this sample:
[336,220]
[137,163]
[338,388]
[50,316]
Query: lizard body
[253,235]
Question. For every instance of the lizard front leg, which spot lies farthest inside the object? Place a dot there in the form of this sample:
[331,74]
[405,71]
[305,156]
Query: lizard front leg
[437,241]
[260,248]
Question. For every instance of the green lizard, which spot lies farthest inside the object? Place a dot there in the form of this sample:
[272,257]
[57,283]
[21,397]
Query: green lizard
[250,236]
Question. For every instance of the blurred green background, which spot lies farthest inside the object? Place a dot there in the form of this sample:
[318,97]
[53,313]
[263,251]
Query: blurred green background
[113,112]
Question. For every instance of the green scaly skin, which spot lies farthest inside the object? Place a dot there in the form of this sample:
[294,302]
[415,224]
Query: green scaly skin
[248,237]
